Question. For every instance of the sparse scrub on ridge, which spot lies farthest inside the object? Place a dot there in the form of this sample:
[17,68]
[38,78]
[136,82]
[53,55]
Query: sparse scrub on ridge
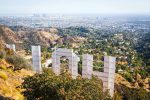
[2,54]
[18,62]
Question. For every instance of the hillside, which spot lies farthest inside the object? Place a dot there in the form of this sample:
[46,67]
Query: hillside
[28,36]
[24,37]
[9,36]
[9,82]
[40,37]
[10,77]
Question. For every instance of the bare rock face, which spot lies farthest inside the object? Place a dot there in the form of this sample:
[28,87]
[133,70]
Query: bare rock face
[138,77]
[120,80]
[136,85]
[147,84]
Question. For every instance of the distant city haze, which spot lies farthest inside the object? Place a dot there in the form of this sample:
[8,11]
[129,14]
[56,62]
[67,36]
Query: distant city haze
[12,7]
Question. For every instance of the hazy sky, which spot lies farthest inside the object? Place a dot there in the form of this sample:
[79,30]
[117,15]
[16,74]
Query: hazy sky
[75,6]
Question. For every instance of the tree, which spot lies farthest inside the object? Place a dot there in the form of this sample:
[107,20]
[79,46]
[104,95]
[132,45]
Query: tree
[48,86]
[18,62]
[132,93]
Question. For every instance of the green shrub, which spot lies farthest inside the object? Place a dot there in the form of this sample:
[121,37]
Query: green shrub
[128,76]
[132,93]
[144,72]
[18,62]
[48,86]
[117,96]
[2,54]
[3,75]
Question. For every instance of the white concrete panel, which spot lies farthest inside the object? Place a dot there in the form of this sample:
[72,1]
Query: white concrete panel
[109,59]
[108,76]
[109,70]
[11,46]
[109,65]
[36,58]
[87,65]
[58,50]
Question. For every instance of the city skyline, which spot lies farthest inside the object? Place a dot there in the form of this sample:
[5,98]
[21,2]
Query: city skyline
[75,7]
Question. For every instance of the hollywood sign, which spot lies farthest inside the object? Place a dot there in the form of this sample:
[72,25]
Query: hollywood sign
[107,77]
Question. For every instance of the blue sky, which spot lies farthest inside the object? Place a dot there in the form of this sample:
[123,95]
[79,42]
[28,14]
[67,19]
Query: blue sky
[75,6]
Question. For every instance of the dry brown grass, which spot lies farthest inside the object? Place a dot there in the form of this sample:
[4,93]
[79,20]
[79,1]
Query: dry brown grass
[10,80]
